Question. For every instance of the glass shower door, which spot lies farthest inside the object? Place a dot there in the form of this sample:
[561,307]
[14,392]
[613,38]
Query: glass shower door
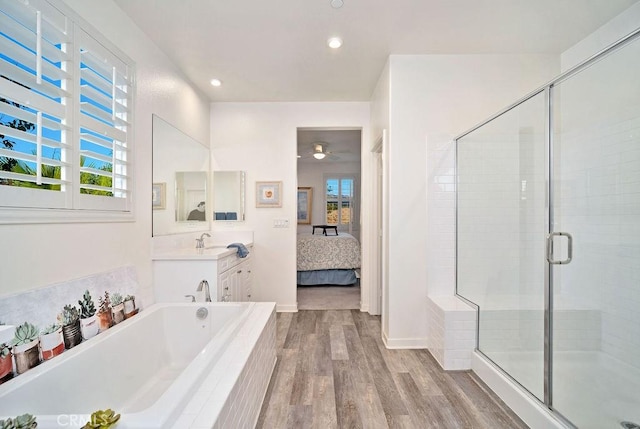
[595,190]
[501,227]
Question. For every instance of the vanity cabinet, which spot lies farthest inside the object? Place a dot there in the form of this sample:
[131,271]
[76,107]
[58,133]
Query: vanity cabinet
[229,277]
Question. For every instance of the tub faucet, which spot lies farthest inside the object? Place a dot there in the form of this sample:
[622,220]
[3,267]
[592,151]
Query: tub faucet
[200,241]
[205,284]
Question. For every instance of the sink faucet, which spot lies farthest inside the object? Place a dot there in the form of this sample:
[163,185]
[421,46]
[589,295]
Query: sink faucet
[200,241]
[207,295]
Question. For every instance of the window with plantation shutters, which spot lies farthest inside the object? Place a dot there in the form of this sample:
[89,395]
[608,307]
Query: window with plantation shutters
[65,115]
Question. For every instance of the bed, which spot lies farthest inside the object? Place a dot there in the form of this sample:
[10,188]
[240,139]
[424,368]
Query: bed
[328,259]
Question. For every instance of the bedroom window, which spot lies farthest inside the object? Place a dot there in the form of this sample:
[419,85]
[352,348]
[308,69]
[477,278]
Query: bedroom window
[66,98]
[339,200]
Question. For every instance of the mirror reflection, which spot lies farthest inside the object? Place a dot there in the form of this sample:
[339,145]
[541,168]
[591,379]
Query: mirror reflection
[228,195]
[180,176]
[191,194]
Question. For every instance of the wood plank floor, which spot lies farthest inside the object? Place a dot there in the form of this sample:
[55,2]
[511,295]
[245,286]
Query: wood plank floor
[333,371]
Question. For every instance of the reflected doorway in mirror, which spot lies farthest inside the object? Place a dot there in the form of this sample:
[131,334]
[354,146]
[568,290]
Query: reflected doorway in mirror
[159,196]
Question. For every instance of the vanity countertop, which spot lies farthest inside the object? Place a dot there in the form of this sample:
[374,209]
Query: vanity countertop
[211,252]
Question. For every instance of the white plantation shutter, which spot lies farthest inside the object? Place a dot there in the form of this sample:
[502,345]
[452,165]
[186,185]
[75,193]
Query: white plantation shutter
[104,98]
[67,112]
[34,64]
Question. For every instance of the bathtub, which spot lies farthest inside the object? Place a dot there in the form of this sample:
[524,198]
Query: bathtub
[163,368]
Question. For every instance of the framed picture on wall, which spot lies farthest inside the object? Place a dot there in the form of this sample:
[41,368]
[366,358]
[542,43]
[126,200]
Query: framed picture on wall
[159,196]
[305,198]
[268,194]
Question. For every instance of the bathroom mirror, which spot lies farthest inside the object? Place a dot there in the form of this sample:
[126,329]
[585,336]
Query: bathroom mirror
[180,180]
[228,195]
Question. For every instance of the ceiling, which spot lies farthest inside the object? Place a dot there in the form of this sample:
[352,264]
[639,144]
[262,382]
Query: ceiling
[341,145]
[276,50]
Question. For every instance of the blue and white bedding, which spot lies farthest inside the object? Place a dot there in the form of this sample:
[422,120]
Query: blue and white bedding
[328,252]
[328,259]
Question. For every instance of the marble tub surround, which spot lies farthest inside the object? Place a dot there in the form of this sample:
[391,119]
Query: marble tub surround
[165,244]
[41,306]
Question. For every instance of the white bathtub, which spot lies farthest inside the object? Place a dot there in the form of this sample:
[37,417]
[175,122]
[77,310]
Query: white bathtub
[163,368]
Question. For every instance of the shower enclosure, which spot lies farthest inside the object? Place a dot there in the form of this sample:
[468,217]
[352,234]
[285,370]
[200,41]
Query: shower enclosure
[548,239]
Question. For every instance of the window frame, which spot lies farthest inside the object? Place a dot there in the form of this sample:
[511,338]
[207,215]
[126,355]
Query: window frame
[27,205]
[340,177]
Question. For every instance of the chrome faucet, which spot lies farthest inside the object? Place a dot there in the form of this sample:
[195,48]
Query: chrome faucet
[200,241]
[207,295]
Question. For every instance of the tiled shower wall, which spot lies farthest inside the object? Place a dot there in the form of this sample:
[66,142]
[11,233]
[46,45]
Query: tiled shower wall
[598,151]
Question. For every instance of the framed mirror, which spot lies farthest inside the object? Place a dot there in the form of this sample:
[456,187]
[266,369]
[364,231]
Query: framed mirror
[180,181]
[228,195]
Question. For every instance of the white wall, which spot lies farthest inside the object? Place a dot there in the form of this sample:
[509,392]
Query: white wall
[312,174]
[380,118]
[432,99]
[261,139]
[52,253]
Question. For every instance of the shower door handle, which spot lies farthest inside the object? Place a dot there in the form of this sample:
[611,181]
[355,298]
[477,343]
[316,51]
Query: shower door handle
[550,248]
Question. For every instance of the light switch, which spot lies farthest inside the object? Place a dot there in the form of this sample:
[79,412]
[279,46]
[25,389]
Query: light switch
[281,223]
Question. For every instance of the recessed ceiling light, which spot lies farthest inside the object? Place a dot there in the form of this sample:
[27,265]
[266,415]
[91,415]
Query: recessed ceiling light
[334,42]
[216,82]
[337,4]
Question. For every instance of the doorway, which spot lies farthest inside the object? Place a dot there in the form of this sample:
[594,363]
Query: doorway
[329,254]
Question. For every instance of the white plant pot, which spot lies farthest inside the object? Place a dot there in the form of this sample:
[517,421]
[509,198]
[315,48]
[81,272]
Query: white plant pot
[52,344]
[118,313]
[89,327]
[129,306]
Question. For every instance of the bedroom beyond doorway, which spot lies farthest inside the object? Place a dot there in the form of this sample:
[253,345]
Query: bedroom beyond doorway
[329,199]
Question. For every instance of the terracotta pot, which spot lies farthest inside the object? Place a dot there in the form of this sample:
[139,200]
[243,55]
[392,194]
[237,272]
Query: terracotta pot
[6,368]
[118,313]
[27,356]
[105,320]
[89,327]
[52,344]
[72,335]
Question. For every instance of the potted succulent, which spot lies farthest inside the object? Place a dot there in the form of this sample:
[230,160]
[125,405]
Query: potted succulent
[105,318]
[70,321]
[51,342]
[129,306]
[25,347]
[6,362]
[117,307]
[89,325]
[102,420]
[25,421]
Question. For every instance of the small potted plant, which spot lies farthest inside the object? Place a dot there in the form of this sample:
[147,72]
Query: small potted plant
[89,325]
[25,347]
[117,307]
[102,420]
[25,421]
[105,318]
[129,306]
[6,363]
[51,341]
[70,321]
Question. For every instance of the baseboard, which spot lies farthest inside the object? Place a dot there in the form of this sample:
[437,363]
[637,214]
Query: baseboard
[404,343]
[287,308]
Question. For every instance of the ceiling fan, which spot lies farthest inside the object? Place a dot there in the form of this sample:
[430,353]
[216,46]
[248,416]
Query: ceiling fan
[320,152]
